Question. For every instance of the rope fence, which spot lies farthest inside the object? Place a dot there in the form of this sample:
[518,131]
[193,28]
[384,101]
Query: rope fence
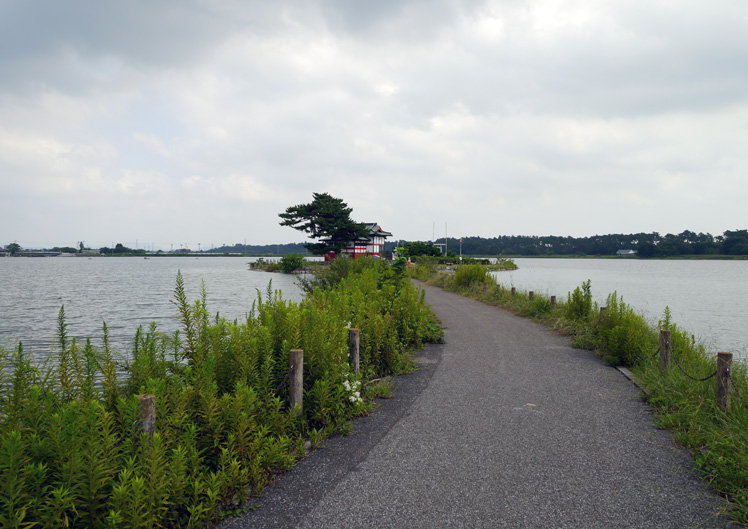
[723,373]
[737,391]
[677,364]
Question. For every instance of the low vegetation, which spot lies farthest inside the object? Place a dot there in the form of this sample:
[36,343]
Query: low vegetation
[288,264]
[717,440]
[71,450]
[431,264]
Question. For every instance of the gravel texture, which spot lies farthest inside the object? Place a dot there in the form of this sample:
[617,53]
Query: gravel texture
[505,425]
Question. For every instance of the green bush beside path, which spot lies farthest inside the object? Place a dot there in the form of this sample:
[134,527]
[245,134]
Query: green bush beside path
[72,453]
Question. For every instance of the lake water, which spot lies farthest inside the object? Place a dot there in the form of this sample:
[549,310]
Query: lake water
[707,298]
[124,292]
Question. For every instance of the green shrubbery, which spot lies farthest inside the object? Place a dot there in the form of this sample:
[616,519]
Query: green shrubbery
[331,274]
[578,308]
[467,275]
[288,264]
[71,453]
[291,262]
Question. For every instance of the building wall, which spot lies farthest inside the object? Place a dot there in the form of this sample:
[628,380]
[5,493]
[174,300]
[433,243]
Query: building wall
[375,246]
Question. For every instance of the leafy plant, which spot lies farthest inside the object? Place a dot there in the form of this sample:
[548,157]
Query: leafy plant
[468,275]
[291,262]
[579,305]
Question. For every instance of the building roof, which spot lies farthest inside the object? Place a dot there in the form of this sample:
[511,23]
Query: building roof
[376,229]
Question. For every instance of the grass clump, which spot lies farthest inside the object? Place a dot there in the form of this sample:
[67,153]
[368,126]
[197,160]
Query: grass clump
[467,275]
[381,388]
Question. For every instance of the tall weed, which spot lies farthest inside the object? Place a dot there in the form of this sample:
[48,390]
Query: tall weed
[467,275]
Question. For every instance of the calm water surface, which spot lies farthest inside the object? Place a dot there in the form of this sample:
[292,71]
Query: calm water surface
[124,292]
[707,298]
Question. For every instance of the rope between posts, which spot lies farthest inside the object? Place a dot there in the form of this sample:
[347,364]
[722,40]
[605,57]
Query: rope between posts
[734,385]
[691,377]
[288,374]
[277,389]
[124,435]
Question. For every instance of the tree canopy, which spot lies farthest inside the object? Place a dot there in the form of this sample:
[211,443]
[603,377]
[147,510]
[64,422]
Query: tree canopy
[415,249]
[327,219]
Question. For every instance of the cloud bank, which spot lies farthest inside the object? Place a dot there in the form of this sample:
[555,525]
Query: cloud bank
[198,122]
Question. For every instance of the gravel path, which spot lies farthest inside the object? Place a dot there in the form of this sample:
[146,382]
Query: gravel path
[505,425]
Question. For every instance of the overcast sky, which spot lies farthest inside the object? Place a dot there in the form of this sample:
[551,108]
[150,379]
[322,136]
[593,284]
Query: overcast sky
[178,123]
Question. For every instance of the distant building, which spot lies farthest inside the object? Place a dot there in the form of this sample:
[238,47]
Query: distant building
[626,253]
[371,245]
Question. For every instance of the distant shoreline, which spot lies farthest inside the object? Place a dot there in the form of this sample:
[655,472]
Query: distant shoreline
[712,257]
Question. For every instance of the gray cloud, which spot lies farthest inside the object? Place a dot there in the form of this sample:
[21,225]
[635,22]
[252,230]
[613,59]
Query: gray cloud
[495,116]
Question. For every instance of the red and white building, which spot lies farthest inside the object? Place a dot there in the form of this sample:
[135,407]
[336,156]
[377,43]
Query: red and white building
[372,244]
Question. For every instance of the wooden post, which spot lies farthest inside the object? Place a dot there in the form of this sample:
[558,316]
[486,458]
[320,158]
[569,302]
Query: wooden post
[553,302]
[296,360]
[724,365]
[147,414]
[666,348]
[354,338]
[531,295]
[514,291]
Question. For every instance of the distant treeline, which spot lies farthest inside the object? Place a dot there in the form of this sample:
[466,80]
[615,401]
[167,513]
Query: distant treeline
[262,249]
[645,244]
